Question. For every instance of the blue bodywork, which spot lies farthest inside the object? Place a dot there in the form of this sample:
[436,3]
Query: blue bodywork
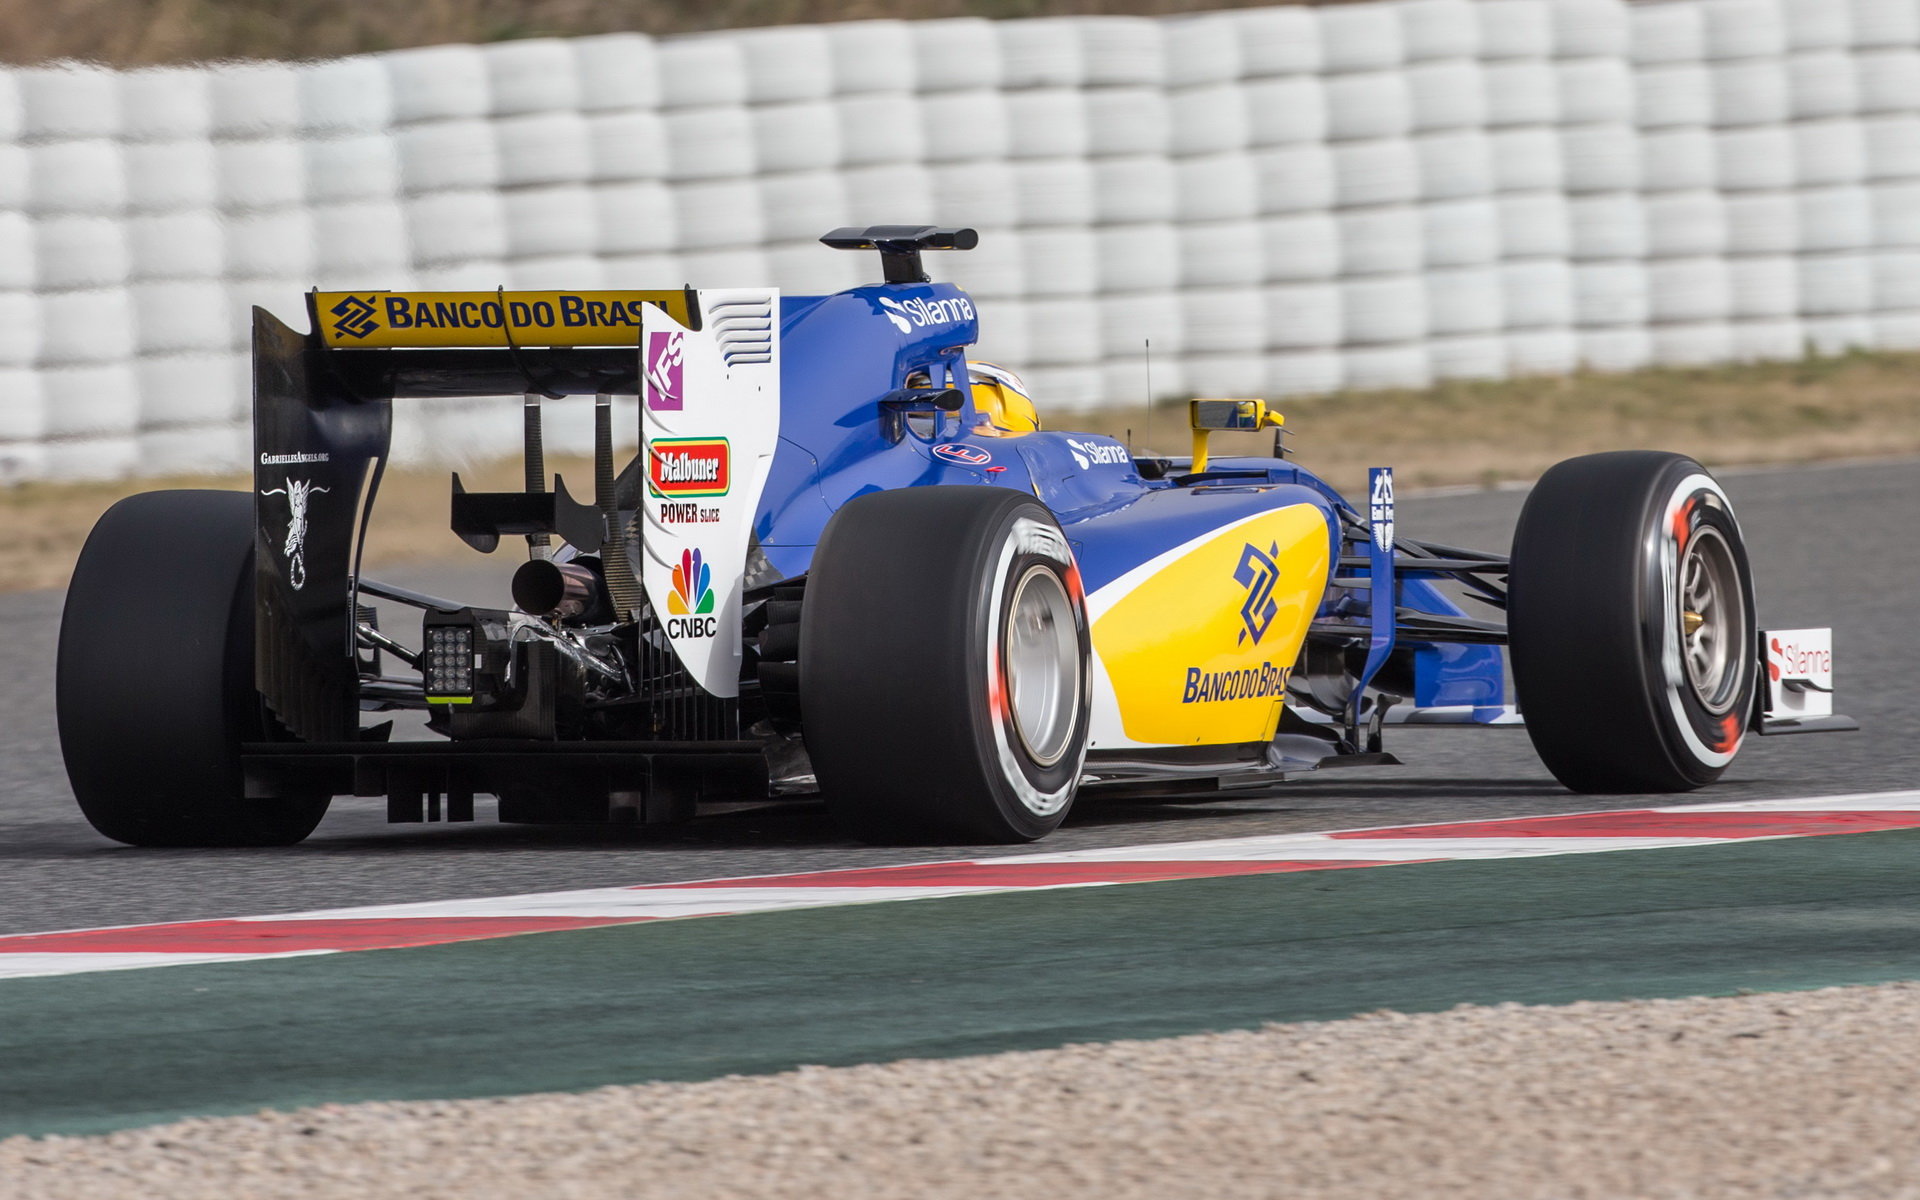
[840,354]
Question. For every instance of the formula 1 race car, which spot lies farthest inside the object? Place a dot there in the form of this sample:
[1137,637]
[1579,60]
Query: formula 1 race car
[848,562]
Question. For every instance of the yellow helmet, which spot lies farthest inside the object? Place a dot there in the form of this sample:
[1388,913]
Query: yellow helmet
[1002,398]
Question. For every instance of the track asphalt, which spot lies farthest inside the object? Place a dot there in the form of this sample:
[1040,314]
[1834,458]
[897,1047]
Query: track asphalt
[682,1000]
[1832,544]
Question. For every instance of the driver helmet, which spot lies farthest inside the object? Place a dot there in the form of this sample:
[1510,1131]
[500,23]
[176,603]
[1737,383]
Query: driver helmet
[1002,398]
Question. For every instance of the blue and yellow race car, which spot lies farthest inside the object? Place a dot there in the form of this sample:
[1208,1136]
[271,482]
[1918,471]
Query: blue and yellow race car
[850,562]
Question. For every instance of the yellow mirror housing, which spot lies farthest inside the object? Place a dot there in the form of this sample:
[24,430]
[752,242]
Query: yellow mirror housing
[1206,416]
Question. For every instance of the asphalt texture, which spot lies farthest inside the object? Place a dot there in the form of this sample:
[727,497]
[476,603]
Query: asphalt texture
[1832,545]
[865,983]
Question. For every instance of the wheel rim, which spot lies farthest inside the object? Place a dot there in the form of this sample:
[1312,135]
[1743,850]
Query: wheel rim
[1713,619]
[1041,658]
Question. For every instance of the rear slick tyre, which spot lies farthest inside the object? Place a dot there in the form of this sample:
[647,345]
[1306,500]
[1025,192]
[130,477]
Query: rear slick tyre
[154,686]
[944,667]
[1631,623]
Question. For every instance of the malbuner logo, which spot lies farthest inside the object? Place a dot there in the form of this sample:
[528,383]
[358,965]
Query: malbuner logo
[1257,573]
[297,491]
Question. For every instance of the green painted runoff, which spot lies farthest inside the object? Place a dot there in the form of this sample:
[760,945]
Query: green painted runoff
[934,978]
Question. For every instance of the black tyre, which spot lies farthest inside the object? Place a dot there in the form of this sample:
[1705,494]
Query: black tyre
[154,688]
[943,666]
[1631,622]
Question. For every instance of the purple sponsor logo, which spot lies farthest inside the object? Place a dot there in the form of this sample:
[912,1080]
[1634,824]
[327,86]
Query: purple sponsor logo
[666,371]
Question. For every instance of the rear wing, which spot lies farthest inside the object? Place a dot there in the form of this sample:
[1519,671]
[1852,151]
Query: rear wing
[322,425]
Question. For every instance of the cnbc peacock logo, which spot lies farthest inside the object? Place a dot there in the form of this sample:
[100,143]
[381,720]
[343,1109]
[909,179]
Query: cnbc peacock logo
[690,604]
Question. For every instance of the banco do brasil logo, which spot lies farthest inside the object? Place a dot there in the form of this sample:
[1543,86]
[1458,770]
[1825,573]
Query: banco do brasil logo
[1257,573]
[356,317]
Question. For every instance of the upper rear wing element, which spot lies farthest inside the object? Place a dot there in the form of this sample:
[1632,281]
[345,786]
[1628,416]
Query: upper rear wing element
[482,320]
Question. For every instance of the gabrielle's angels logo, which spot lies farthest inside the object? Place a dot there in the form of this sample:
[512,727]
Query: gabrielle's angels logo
[296,492]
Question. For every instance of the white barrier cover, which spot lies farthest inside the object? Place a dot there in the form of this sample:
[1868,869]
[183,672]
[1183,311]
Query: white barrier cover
[1138,258]
[1208,120]
[986,195]
[159,176]
[531,75]
[1448,94]
[709,143]
[440,156]
[1386,171]
[702,71]
[1828,152]
[1359,37]
[171,104]
[1667,33]
[1744,29]
[1673,94]
[955,126]
[1221,254]
[1461,233]
[1673,160]
[784,65]
[1688,289]
[1596,89]
[1302,247]
[1536,295]
[437,83]
[871,56]
[80,252]
[1371,104]
[1825,85]
[1290,197]
[1144,188]
[1686,224]
[1888,80]
[1220,187]
[1056,193]
[1286,111]
[68,102]
[1454,165]
[627,144]
[1132,121]
[956,55]
[1763,286]
[1522,92]
[1515,29]
[1040,53]
[1202,49]
[1276,41]
[544,148]
[1046,123]
[616,71]
[1381,241]
[1433,29]
[1527,159]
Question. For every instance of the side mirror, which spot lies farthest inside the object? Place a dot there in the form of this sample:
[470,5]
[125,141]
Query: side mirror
[1246,416]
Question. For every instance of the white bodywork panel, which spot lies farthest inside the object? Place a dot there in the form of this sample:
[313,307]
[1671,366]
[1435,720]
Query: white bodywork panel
[709,421]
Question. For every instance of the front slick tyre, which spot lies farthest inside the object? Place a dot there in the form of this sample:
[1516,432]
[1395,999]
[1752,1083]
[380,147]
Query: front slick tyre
[154,686]
[1631,623]
[943,667]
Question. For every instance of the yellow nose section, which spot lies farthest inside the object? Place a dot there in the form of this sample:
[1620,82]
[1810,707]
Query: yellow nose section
[1199,652]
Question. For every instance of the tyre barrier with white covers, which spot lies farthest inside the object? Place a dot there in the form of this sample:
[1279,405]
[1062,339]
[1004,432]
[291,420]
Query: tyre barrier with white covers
[1290,200]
